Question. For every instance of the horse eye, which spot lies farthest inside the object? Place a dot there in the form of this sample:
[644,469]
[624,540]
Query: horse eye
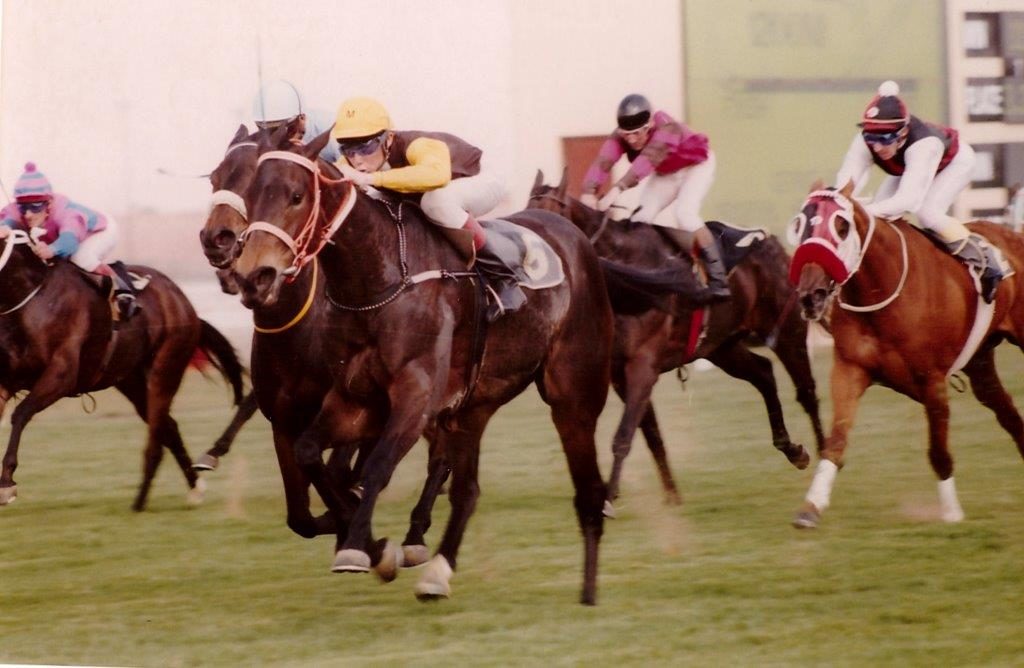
[296,198]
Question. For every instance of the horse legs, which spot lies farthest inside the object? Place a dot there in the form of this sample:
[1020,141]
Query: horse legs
[208,461]
[849,381]
[52,385]
[296,490]
[652,435]
[635,390]
[462,451]
[791,349]
[414,548]
[739,362]
[990,392]
[936,406]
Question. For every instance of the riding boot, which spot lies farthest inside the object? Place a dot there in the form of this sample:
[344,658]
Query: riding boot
[124,292]
[717,289]
[982,259]
[501,278]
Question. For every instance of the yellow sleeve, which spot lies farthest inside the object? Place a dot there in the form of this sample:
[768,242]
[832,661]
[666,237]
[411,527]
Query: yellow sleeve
[430,167]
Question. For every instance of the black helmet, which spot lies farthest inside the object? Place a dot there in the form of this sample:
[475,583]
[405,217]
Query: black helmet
[634,112]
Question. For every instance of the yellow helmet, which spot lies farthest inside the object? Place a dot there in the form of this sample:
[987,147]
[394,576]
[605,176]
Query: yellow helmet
[360,117]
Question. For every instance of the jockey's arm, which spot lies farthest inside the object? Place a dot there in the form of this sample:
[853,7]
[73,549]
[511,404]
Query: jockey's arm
[856,165]
[430,168]
[610,152]
[922,163]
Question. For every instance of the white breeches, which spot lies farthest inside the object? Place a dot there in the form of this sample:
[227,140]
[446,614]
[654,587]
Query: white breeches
[945,188]
[686,188]
[96,247]
[449,205]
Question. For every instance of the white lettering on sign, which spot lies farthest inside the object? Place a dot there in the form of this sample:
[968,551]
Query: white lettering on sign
[985,100]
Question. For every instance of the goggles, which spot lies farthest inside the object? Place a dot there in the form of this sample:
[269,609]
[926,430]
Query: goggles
[362,147]
[633,133]
[273,125]
[883,138]
[31,207]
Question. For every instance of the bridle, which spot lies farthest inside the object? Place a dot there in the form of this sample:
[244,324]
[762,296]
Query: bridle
[228,197]
[17,237]
[307,243]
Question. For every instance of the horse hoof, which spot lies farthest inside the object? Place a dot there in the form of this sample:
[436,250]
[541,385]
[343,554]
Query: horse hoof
[953,516]
[672,498]
[801,459]
[351,561]
[196,494]
[390,561]
[206,462]
[433,584]
[808,517]
[414,555]
[608,510]
[8,495]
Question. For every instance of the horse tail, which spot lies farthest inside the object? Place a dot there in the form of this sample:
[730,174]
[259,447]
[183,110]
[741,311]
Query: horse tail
[214,349]
[633,291]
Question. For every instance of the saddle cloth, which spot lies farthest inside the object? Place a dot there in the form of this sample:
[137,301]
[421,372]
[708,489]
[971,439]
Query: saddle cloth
[735,243]
[534,261]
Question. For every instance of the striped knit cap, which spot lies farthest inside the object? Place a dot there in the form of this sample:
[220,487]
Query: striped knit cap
[32,186]
[886,112]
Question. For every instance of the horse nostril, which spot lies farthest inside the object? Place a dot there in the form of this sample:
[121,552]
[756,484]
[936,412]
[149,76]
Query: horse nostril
[225,239]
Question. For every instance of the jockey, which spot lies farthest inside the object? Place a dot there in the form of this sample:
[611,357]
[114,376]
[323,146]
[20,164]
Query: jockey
[927,168]
[279,102]
[63,228]
[442,170]
[681,169]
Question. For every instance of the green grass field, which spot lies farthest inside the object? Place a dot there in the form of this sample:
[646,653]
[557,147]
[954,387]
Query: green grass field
[722,580]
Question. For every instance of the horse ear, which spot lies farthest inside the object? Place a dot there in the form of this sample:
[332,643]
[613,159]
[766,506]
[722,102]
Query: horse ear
[538,181]
[847,189]
[563,185]
[817,185]
[240,134]
[313,148]
[277,139]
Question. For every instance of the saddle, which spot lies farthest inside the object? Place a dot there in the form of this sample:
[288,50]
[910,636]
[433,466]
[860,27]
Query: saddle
[106,287]
[735,243]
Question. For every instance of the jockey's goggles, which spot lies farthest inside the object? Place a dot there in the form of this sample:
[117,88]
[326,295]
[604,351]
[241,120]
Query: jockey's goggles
[31,207]
[634,132]
[273,125]
[361,147]
[883,138]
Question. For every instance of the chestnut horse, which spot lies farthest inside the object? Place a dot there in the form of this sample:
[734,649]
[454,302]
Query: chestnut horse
[651,341]
[58,339]
[403,340]
[290,368]
[903,315]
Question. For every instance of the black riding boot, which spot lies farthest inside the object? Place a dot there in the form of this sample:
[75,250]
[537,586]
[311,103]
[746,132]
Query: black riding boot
[502,279]
[124,293]
[982,260]
[717,289]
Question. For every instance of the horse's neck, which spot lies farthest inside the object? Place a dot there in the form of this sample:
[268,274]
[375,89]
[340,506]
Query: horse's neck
[881,262]
[22,273]
[584,218]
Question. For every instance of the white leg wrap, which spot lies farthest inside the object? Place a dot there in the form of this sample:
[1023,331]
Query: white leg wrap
[951,510]
[821,487]
[434,580]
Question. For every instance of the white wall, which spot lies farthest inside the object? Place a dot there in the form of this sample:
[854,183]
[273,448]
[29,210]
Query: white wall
[101,94]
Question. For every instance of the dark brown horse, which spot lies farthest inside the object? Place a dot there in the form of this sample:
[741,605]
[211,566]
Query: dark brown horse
[903,315]
[57,339]
[290,368]
[401,344]
[651,341]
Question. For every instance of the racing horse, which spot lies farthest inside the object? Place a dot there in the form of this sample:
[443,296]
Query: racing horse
[409,345]
[650,341]
[289,366]
[904,314]
[59,338]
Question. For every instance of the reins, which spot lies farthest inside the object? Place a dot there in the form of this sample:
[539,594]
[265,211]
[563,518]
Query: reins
[17,237]
[899,287]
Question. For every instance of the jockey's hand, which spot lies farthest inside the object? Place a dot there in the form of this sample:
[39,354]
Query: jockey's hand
[4,231]
[589,199]
[361,179]
[43,250]
[609,199]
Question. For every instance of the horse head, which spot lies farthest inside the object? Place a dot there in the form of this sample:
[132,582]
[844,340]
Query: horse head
[829,233]
[288,228]
[228,217]
[558,200]
[23,271]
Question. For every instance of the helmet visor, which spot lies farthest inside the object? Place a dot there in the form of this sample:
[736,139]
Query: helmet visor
[351,148]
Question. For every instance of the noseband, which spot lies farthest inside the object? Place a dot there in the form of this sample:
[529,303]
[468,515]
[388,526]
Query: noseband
[302,245]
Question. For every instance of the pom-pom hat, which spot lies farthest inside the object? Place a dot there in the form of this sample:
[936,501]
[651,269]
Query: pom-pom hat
[32,186]
[886,112]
